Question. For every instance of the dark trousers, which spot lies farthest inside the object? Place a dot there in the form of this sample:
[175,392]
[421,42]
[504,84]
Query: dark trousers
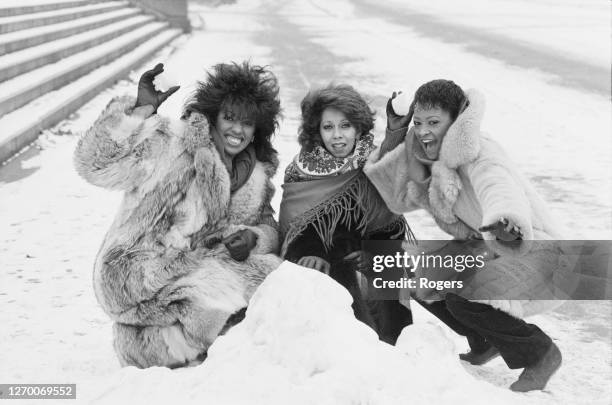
[520,344]
[388,318]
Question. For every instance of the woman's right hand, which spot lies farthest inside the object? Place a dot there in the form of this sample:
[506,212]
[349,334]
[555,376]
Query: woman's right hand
[504,229]
[397,126]
[316,263]
[148,94]
[394,120]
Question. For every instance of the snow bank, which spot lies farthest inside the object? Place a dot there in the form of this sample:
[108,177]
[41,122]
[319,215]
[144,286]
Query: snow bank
[301,344]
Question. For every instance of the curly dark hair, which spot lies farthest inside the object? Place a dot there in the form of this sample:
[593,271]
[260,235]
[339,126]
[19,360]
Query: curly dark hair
[444,94]
[251,89]
[341,97]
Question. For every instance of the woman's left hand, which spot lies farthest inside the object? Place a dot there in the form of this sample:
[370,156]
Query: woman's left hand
[503,229]
[148,94]
[240,243]
[361,261]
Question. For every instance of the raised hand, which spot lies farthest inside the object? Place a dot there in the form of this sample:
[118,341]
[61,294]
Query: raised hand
[394,120]
[397,126]
[503,229]
[147,94]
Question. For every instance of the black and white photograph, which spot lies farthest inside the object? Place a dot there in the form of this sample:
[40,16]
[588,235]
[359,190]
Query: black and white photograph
[272,202]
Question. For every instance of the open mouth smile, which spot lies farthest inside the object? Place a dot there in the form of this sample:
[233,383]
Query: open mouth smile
[233,140]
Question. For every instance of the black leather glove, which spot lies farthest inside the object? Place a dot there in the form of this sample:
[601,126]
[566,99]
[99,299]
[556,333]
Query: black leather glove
[147,94]
[394,120]
[240,243]
[397,127]
[504,230]
[361,261]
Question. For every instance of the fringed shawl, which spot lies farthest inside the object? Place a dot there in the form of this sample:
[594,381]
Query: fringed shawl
[346,198]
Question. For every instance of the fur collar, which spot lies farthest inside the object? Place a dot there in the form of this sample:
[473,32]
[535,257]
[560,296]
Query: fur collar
[246,203]
[460,146]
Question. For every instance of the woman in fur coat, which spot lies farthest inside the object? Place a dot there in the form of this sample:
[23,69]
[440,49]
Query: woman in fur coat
[194,235]
[329,206]
[463,178]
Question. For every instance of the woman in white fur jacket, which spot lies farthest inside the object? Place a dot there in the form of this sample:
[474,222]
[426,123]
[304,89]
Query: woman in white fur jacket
[194,235]
[448,167]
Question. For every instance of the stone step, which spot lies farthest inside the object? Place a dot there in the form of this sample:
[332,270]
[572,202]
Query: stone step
[20,62]
[26,21]
[21,127]
[21,90]
[10,8]
[19,40]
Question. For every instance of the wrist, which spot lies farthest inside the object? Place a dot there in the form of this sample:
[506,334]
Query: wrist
[393,138]
[251,239]
[143,111]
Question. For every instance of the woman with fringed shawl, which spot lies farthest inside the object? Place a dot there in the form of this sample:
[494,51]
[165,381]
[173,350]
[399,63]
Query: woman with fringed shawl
[329,205]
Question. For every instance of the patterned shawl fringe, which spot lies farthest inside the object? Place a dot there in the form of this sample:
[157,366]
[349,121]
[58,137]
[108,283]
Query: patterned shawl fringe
[356,205]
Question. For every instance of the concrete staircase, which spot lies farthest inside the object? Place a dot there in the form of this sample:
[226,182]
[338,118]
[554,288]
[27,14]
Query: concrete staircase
[57,54]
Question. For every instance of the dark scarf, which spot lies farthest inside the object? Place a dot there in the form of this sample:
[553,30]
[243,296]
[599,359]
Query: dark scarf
[323,191]
[242,167]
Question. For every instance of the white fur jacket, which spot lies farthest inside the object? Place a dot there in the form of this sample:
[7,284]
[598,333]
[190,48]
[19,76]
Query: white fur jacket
[472,184]
[176,195]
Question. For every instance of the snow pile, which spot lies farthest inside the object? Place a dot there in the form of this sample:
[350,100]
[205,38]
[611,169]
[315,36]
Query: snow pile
[301,344]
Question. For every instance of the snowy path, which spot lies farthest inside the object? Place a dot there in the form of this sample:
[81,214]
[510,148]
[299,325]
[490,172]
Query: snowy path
[52,222]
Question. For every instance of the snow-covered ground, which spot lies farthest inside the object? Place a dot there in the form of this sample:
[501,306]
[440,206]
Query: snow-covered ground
[52,222]
[301,344]
[576,29]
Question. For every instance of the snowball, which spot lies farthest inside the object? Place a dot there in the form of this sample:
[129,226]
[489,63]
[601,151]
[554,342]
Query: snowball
[401,103]
[164,81]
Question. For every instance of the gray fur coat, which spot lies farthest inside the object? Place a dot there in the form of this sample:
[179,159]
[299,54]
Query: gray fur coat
[474,183]
[169,294]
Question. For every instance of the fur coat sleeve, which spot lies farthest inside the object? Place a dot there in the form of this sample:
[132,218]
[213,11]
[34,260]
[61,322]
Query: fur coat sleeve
[499,191]
[120,151]
[390,176]
[116,152]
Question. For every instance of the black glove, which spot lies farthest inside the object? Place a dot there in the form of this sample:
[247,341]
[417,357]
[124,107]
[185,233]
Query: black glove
[397,127]
[394,120]
[361,261]
[147,94]
[504,230]
[240,243]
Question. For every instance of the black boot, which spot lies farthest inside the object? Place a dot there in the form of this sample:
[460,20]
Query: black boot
[480,358]
[481,351]
[536,376]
